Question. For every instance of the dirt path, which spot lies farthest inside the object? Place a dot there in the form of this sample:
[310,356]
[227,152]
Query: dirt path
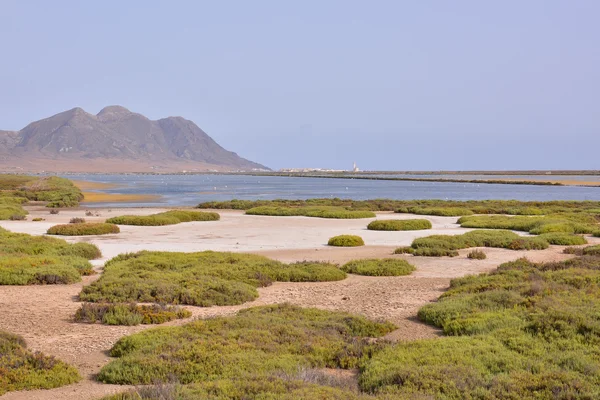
[42,314]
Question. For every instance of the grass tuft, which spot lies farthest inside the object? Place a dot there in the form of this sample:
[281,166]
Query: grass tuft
[563,239]
[346,241]
[129,314]
[29,260]
[399,225]
[379,267]
[404,250]
[476,255]
[83,229]
[317,212]
[165,218]
[21,369]
[438,245]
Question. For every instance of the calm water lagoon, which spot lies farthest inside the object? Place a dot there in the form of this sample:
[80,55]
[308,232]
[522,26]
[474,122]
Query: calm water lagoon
[189,190]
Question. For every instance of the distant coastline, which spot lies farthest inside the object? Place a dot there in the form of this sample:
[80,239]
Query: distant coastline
[551,178]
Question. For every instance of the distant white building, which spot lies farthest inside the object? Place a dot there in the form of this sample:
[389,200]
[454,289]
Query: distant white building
[355,168]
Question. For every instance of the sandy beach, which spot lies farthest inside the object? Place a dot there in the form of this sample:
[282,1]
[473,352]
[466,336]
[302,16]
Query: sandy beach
[42,314]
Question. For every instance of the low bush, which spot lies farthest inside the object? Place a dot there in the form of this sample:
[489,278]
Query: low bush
[439,211]
[54,211]
[28,260]
[24,244]
[17,217]
[55,191]
[581,251]
[524,331]
[592,250]
[165,218]
[83,229]
[38,219]
[317,212]
[77,220]
[477,238]
[404,250]
[257,343]
[129,314]
[565,223]
[477,255]
[399,225]
[511,207]
[12,212]
[379,267]
[21,369]
[563,239]
[202,279]
[346,241]
[434,252]
[42,270]
[306,384]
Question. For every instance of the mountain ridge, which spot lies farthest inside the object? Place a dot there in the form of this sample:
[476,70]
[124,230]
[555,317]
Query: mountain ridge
[116,134]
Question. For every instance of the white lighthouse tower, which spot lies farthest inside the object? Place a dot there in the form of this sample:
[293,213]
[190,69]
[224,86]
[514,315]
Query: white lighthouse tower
[355,168]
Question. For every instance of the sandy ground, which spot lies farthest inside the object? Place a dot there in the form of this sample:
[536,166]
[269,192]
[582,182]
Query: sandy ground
[42,314]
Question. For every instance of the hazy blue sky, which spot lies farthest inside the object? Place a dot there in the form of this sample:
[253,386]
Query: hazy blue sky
[402,85]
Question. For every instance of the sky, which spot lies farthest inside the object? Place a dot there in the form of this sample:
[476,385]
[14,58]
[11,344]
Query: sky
[390,85]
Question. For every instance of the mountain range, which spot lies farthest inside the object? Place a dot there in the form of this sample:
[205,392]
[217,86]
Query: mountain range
[115,140]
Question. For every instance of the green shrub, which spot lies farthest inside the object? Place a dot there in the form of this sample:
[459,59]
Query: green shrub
[202,279]
[257,343]
[129,314]
[477,255]
[189,216]
[21,369]
[565,223]
[346,241]
[404,250]
[318,212]
[83,229]
[563,239]
[524,331]
[440,211]
[38,219]
[591,250]
[10,211]
[27,259]
[512,207]
[306,383]
[139,220]
[434,252]
[39,270]
[165,218]
[379,267]
[399,225]
[479,238]
[55,191]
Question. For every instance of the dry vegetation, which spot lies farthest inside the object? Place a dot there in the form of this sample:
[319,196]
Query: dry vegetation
[21,369]
[379,267]
[399,225]
[202,279]
[346,241]
[165,218]
[83,229]
[30,260]
[129,314]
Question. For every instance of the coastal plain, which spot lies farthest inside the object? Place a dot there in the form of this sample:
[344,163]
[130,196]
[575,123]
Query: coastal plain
[43,314]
